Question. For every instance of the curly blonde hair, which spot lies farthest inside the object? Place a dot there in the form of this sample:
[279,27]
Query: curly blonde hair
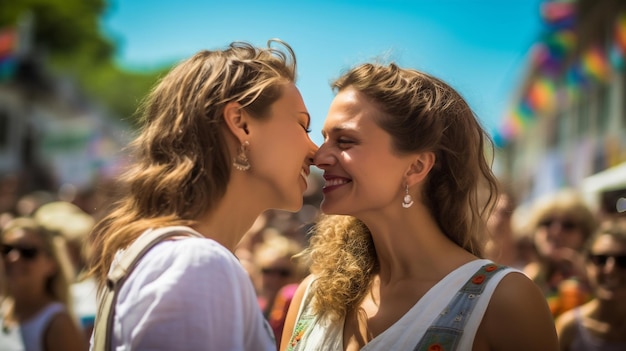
[421,113]
[182,162]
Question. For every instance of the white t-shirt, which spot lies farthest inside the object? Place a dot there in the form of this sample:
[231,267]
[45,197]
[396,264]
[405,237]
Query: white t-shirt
[189,294]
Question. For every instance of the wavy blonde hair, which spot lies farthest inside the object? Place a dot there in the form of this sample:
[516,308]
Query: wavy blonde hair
[421,113]
[182,162]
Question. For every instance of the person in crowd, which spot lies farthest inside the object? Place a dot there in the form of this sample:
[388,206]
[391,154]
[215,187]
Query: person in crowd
[507,244]
[279,272]
[273,259]
[224,138]
[600,324]
[560,224]
[502,245]
[396,260]
[36,309]
[73,224]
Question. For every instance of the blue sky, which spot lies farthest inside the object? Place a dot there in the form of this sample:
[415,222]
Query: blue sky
[480,47]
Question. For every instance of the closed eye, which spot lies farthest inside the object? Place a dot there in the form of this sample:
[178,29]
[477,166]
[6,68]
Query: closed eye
[341,142]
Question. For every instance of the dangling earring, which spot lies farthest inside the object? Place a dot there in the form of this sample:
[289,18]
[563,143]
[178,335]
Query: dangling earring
[407,201]
[241,162]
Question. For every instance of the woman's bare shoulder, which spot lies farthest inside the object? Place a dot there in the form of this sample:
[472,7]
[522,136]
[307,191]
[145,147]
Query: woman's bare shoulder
[518,317]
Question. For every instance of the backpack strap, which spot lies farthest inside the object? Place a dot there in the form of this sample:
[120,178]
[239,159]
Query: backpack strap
[447,329]
[122,268]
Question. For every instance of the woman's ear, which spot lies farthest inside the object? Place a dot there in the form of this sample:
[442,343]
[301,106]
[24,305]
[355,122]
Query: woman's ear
[236,120]
[420,167]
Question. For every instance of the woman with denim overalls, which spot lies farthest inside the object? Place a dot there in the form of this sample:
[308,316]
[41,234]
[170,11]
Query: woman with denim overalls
[397,263]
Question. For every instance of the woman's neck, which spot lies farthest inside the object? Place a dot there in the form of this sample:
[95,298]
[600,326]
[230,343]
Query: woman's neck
[611,311]
[26,307]
[412,246]
[231,219]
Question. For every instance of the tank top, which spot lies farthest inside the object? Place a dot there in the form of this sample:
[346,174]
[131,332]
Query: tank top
[313,333]
[585,341]
[33,330]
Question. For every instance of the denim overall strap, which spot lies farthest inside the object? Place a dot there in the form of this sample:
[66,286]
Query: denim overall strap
[446,330]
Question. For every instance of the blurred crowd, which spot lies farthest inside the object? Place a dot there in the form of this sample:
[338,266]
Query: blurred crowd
[576,257]
[45,253]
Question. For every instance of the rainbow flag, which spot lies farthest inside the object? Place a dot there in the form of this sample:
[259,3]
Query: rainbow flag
[595,63]
[541,95]
[549,55]
[516,122]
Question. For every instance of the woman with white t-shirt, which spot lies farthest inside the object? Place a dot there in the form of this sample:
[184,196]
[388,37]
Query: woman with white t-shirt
[224,138]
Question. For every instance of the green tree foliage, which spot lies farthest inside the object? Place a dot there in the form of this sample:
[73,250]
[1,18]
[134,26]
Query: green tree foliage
[68,32]
[62,27]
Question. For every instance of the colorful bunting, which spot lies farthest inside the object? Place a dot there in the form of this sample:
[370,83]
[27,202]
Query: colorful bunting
[560,77]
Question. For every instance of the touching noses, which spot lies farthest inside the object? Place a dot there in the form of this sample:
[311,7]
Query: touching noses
[323,157]
[310,157]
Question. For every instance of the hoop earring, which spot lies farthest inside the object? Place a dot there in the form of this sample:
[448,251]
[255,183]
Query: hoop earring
[241,162]
[407,201]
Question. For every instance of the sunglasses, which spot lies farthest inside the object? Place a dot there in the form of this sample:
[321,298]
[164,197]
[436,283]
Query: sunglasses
[27,253]
[565,223]
[281,272]
[600,260]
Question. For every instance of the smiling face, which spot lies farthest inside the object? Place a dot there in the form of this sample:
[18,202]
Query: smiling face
[281,150]
[26,263]
[556,232]
[606,268]
[362,171]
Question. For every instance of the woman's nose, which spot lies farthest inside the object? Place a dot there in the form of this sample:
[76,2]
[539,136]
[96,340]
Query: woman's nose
[311,156]
[13,256]
[610,265]
[323,157]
